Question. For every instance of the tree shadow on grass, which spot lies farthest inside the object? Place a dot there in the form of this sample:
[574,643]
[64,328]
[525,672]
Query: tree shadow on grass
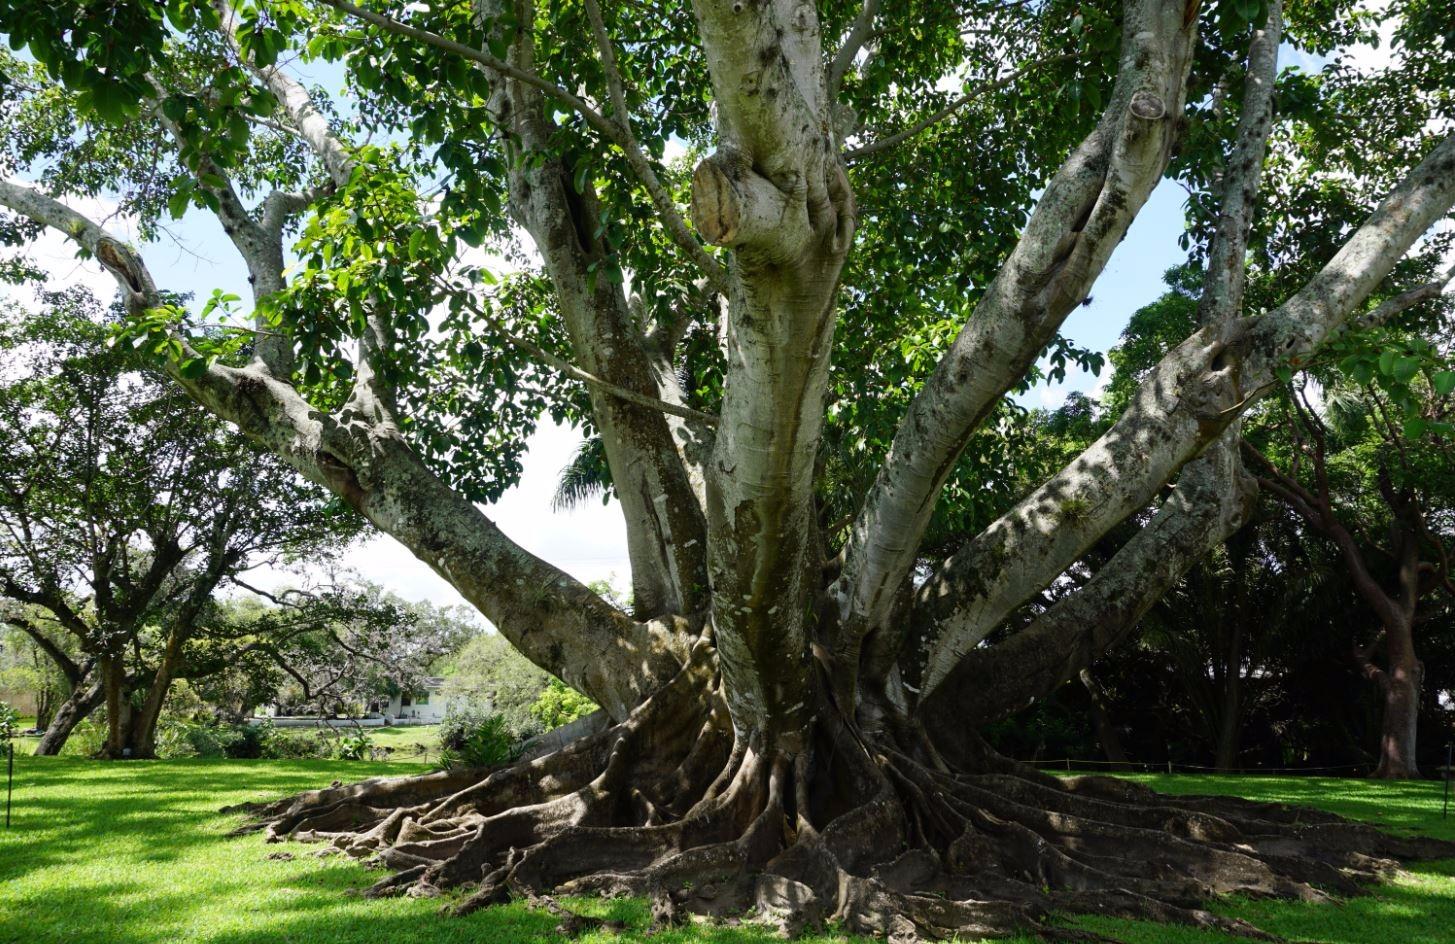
[1402,807]
[1418,908]
[137,854]
[67,809]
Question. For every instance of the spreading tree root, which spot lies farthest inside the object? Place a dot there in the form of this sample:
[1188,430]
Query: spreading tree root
[891,839]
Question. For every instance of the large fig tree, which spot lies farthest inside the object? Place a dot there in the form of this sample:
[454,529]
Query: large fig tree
[794,344]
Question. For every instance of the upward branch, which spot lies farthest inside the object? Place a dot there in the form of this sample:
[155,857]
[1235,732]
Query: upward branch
[1077,222]
[1213,494]
[553,619]
[618,132]
[1194,393]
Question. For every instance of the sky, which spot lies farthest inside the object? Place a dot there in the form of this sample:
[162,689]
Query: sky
[589,541]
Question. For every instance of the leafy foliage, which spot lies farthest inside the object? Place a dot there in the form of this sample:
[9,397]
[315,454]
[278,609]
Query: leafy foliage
[561,704]
[474,737]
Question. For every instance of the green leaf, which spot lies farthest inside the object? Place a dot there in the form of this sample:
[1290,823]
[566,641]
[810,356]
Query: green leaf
[174,107]
[178,203]
[1386,363]
[1443,381]
[1405,368]
[193,367]
[1414,427]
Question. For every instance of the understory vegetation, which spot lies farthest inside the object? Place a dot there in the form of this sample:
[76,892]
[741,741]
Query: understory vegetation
[171,873]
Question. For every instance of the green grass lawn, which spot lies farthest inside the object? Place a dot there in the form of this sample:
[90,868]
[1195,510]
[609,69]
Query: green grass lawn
[408,741]
[26,745]
[137,853]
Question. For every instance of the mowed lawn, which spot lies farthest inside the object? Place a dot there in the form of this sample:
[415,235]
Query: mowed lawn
[137,853]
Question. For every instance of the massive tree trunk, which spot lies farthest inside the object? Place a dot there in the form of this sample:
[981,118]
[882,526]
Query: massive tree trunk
[789,733]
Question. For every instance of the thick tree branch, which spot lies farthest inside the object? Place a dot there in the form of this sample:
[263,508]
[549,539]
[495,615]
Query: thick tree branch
[1226,273]
[1187,401]
[1213,497]
[859,34]
[553,619]
[1078,221]
[665,528]
[312,125]
[260,246]
[68,666]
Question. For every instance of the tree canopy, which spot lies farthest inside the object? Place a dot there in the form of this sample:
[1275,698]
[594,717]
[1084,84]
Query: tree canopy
[789,263]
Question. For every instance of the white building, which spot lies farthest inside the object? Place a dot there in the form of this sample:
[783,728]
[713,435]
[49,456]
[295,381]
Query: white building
[427,705]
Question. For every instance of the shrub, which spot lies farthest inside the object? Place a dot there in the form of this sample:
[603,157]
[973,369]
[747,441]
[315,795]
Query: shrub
[470,737]
[9,722]
[290,745]
[353,746]
[86,738]
[560,704]
[249,741]
[183,738]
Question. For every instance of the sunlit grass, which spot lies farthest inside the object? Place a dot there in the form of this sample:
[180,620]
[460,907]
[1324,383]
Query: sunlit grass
[408,740]
[137,853]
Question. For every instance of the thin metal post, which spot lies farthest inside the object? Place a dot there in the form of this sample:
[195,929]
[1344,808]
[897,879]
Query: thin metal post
[1449,751]
[9,779]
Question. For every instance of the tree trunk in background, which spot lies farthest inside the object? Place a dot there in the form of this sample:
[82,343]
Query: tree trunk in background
[130,731]
[1230,715]
[83,700]
[141,733]
[1106,732]
[1400,684]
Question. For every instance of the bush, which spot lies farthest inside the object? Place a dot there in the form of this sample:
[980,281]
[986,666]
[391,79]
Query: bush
[299,745]
[353,746]
[560,704]
[86,738]
[183,738]
[470,737]
[9,722]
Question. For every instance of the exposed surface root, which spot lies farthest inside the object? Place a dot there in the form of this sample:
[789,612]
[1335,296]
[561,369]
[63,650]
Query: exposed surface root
[887,839]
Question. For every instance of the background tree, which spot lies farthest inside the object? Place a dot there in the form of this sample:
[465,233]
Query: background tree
[792,686]
[363,645]
[1390,438]
[123,511]
[26,670]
